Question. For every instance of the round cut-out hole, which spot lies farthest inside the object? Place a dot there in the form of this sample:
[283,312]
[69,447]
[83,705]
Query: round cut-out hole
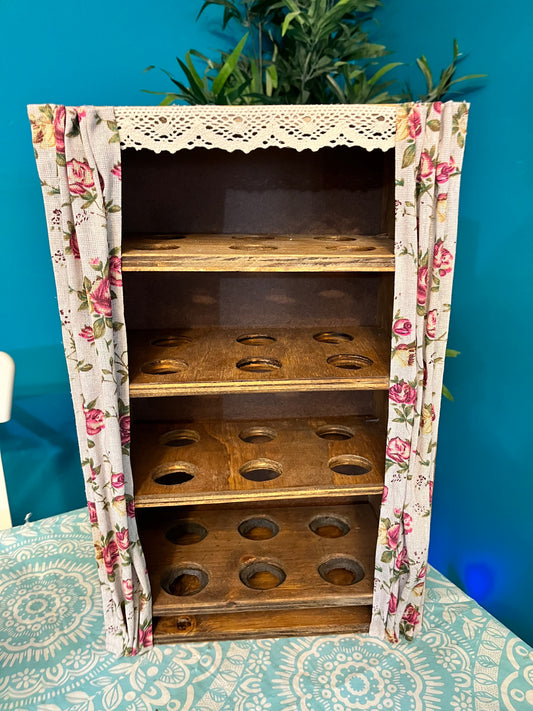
[329,526]
[350,465]
[258,528]
[259,365]
[185,580]
[349,361]
[261,470]
[186,533]
[334,432]
[351,247]
[173,474]
[153,244]
[159,242]
[332,337]
[252,237]
[256,339]
[336,238]
[262,575]
[165,366]
[179,438]
[341,571]
[256,435]
[253,245]
[172,341]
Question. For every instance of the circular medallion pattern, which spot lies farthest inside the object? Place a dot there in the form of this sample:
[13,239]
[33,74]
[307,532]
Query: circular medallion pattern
[53,656]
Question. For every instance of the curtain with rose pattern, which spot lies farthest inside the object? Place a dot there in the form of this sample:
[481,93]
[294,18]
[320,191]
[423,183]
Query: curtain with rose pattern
[78,159]
[430,140]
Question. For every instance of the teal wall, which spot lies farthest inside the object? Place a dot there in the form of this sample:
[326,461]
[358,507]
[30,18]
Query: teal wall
[480,528]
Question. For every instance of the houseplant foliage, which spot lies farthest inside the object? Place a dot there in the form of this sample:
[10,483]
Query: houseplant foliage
[299,52]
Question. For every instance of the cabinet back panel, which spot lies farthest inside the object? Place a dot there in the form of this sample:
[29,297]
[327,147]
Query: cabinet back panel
[250,301]
[273,190]
[263,406]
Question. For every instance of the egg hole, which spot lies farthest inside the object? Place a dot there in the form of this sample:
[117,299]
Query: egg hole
[172,341]
[253,246]
[251,238]
[350,465]
[351,247]
[259,365]
[329,526]
[261,470]
[341,571]
[349,361]
[258,528]
[185,580]
[179,438]
[332,337]
[334,432]
[262,575]
[257,435]
[173,474]
[336,238]
[256,339]
[164,367]
[186,533]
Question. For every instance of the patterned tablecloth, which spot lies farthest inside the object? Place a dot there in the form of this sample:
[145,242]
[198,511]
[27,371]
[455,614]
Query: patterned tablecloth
[52,653]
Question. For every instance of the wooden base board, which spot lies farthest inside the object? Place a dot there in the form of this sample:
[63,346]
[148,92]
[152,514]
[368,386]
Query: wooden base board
[261,625]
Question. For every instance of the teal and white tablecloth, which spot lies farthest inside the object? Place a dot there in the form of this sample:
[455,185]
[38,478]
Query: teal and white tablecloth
[52,653]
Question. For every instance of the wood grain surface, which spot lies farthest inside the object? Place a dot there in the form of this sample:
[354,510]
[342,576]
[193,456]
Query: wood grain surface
[215,454]
[262,624]
[258,253]
[223,557]
[207,361]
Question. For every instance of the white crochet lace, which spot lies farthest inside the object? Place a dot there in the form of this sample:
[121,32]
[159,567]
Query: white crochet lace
[245,128]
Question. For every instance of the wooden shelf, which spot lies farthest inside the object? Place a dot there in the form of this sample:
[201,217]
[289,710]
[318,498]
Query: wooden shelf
[257,625]
[221,561]
[209,361]
[258,253]
[211,463]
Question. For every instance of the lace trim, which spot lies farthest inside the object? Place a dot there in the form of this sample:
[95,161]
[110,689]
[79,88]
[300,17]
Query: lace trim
[246,128]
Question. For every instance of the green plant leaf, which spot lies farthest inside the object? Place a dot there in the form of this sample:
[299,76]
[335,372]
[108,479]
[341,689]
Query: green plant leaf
[228,67]
[382,71]
[193,73]
[301,51]
[426,71]
[447,394]
[287,21]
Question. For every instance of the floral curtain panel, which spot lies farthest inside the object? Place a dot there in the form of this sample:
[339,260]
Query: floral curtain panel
[430,140]
[78,159]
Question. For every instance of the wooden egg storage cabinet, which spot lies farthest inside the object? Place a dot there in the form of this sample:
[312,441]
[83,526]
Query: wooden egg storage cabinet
[258,296]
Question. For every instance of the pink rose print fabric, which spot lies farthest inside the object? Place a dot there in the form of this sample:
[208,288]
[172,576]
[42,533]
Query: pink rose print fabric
[430,139]
[78,159]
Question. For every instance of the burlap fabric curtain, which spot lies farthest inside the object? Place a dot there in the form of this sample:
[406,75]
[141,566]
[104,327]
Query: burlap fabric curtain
[78,159]
[430,140]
